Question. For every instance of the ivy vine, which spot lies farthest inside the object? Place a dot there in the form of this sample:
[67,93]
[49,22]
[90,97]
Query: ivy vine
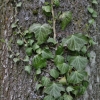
[68,78]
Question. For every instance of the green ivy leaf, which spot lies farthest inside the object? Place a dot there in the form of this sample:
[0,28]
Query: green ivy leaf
[84,49]
[66,18]
[26,59]
[68,97]
[69,89]
[61,98]
[59,50]
[54,73]
[19,4]
[39,51]
[94,2]
[41,32]
[38,86]
[30,42]
[16,60]
[78,62]
[35,46]
[52,40]
[39,62]
[38,71]
[46,54]
[45,81]
[63,68]
[75,42]
[54,90]
[29,51]
[94,14]
[28,69]
[20,42]
[91,21]
[14,25]
[48,97]
[91,10]
[58,59]
[77,77]
[56,2]
[46,8]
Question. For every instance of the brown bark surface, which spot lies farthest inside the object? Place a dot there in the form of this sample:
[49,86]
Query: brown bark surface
[15,83]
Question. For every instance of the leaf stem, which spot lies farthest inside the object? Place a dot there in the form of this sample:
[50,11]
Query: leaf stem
[54,21]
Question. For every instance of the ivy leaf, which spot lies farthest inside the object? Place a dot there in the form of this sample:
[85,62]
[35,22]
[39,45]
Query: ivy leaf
[29,51]
[63,80]
[52,40]
[78,62]
[58,59]
[19,4]
[46,54]
[59,50]
[28,69]
[77,77]
[39,62]
[94,2]
[56,2]
[75,42]
[91,21]
[69,89]
[38,86]
[20,42]
[91,10]
[45,81]
[16,60]
[26,59]
[54,73]
[68,97]
[14,25]
[30,42]
[38,71]
[41,32]
[61,98]
[48,97]
[46,8]
[35,46]
[54,90]
[63,68]
[94,14]
[66,18]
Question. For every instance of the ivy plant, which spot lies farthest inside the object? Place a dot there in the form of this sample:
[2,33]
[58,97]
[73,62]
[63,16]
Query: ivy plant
[67,78]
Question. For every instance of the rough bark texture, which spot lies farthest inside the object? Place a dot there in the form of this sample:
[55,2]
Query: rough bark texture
[15,84]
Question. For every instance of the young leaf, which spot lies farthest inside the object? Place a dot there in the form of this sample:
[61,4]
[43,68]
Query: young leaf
[56,2]
[66,18]
[35,46]
[94,14]
[14,25]
[38,86]
[52,40]
[16,60]
[91,10]
[68,97]
[78,62]
[38,71]
[39,62]
[29,51]
[26,59]
[94,2]
[84,49]
[39,51]
[28,69]
[69,89]
[46,8]
[41,32]
[54,90]
[19,4]
[46,54]
[63,68]
[30,42]
[54,73]
[48,97]
[58,59]
[20,42]
[91,21]
[63,81]
[77,77]
[59,50]
[75,42]
[45,81]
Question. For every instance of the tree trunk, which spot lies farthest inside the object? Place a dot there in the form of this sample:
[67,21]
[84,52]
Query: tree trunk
[15,83]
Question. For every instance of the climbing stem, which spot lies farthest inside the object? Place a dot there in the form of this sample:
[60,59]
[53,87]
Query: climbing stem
[54,20]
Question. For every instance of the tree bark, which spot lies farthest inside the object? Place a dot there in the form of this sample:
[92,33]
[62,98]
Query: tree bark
[15,83]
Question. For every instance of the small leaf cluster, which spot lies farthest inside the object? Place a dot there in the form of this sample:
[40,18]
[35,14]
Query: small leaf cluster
[92,12]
